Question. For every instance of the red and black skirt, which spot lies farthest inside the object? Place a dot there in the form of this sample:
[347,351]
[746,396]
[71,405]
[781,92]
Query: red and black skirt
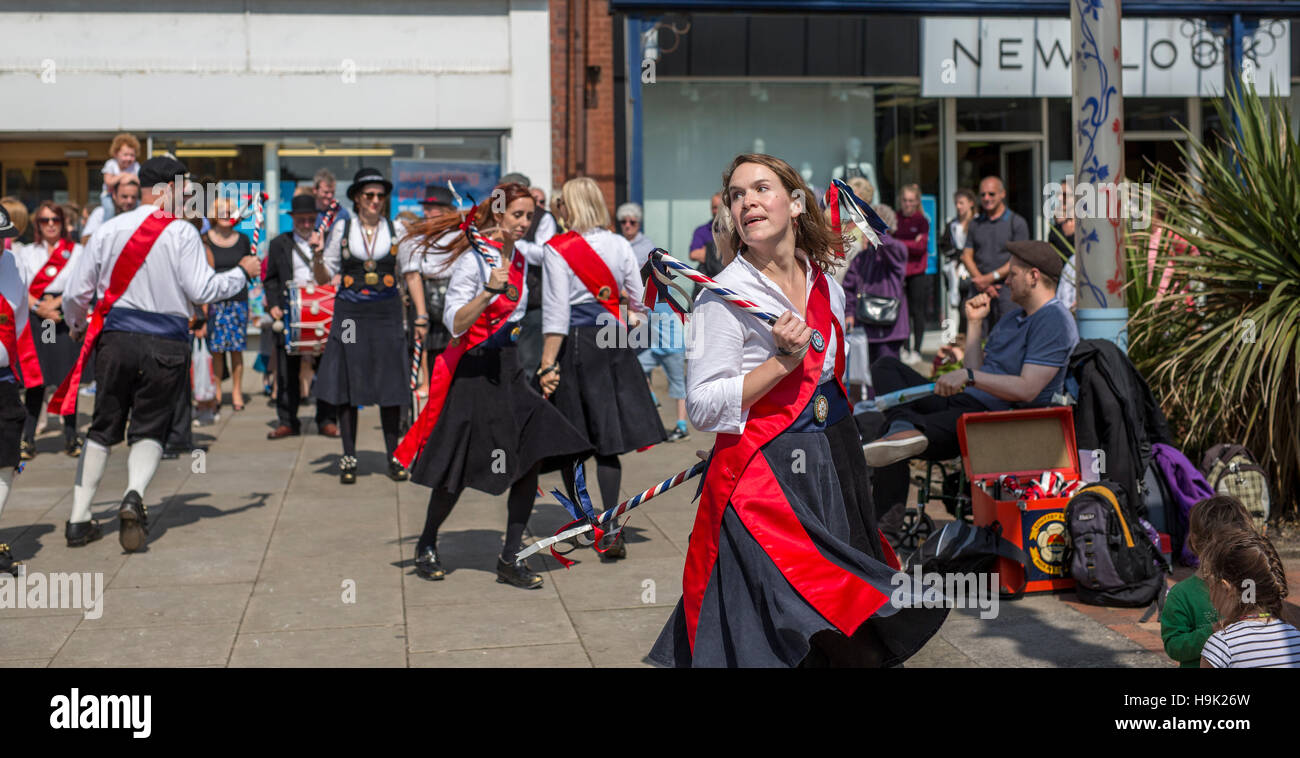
[752,616]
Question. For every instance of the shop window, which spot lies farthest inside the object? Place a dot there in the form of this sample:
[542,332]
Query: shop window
[1154,114]
[989,114]
[1142,156]
[215,161]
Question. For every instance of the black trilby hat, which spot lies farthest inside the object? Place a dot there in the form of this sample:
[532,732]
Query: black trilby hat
[367,176]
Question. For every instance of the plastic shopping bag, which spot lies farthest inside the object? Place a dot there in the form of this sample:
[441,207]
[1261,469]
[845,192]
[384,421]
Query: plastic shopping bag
[201,372]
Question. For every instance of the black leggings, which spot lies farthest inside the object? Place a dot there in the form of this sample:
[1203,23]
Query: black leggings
[33,399]
[389,418]
[918,297]
[609,477]
[519,506]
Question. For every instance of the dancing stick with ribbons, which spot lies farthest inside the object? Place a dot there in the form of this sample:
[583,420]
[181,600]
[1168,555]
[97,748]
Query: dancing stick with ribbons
[660,263]
[258,218]
[596,523]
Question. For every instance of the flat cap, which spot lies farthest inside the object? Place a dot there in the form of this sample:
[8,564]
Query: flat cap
[1040,255]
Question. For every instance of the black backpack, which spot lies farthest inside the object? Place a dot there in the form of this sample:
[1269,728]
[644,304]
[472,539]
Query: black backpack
[960,547]
[1111,556]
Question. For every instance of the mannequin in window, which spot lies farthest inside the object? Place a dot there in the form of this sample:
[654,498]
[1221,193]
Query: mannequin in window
[853,166]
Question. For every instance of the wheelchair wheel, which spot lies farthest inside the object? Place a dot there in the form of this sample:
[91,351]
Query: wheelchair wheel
[917,526]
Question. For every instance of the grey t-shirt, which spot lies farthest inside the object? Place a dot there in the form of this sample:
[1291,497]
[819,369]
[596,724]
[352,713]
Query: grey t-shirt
[1047,338]
[989,238]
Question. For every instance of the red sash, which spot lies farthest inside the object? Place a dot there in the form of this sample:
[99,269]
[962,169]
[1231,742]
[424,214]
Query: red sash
[128,263]
[444,366]
[740,475]
[8,330]
[32,376]
[590,269]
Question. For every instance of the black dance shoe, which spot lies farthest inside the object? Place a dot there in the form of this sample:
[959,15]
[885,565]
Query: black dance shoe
[428,566]
[26,450]
[396,471]
[83,533]
[133,522]
[613,550]
[7,563]
[73,448]
[347,470]
[518,574]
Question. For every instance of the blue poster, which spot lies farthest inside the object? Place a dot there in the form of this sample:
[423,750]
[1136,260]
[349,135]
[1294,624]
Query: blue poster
[410,177]
[929,206]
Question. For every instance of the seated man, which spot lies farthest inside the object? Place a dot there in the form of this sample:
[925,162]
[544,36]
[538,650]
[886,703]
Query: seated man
[1023,364]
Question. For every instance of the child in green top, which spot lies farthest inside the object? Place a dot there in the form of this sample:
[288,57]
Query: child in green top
[1189,616]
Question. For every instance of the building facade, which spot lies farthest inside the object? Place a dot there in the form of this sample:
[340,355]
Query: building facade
[271,92]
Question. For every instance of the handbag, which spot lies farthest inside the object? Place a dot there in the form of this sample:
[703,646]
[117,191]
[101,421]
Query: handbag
[876,310]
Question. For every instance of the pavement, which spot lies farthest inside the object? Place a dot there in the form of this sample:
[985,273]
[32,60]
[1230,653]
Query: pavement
[259,557]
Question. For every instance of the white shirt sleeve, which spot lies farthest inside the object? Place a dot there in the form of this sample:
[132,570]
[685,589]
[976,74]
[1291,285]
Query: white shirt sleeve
[198,280]
[82,282]
[465,284]
[555,293]
[545,230]
[1216,651]
[408,260]
[110,167]
[333,253]
[534,252]
[715,346]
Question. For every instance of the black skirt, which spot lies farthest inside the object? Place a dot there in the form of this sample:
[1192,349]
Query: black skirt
[365,360]
[493,428]
[57,357]
[753,617]
[603,391]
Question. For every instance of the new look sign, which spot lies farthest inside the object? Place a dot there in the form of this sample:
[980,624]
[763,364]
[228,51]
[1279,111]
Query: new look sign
[1031,57]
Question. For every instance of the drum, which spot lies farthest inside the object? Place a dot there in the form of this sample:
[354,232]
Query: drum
[307,324]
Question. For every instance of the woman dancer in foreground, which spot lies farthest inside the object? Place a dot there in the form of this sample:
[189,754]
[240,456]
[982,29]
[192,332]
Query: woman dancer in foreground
[785,565]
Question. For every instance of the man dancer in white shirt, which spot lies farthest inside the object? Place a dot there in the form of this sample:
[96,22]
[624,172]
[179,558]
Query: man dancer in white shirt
[141,352]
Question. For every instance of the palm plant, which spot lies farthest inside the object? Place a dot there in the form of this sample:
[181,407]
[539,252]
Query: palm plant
[1221,346]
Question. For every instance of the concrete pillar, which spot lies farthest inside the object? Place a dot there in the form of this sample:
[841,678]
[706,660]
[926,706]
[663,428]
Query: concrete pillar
[1098,166]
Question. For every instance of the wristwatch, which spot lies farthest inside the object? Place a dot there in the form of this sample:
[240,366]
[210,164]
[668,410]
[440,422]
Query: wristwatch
[997,276]
[970,376]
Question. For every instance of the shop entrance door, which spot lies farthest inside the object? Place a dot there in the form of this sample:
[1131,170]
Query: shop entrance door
[1020,163]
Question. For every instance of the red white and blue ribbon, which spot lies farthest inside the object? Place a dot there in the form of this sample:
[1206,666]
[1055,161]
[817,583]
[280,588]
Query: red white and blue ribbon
[660,264]
[864,226]
[258,219]
[588,522]
[486,248]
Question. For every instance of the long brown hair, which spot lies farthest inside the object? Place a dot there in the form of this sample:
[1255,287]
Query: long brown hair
[1248,562]
[1214,516]
[426,232]
[812,234]
[58,211]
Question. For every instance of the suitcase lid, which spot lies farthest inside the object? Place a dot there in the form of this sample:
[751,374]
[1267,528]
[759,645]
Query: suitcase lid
[1023,442]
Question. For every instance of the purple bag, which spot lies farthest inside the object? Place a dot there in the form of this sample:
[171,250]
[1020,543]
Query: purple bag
[1186,485]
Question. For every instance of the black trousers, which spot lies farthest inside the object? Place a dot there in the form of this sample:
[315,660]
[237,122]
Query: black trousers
[138,378]
[180,436]
[918,298]
[289,394]
[934,416]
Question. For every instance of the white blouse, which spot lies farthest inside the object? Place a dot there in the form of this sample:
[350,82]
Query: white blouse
[13,287]
[32,258]
[470,273]
[561,288]
[724,343]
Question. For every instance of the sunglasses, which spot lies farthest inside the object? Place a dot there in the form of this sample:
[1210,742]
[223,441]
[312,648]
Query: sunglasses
[47,220]
[988,194]
[374,195]
[627,221]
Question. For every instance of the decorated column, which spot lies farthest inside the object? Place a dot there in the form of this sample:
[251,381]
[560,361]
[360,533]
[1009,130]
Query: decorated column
[1098,168]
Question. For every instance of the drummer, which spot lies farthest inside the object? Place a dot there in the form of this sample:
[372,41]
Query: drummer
[365,360]
[290,261]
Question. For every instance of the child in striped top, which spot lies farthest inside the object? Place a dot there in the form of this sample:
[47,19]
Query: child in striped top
[1247,584]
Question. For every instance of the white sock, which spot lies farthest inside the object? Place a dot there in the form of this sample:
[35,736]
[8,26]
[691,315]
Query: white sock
[141,465]
[90,469]
[6,481]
